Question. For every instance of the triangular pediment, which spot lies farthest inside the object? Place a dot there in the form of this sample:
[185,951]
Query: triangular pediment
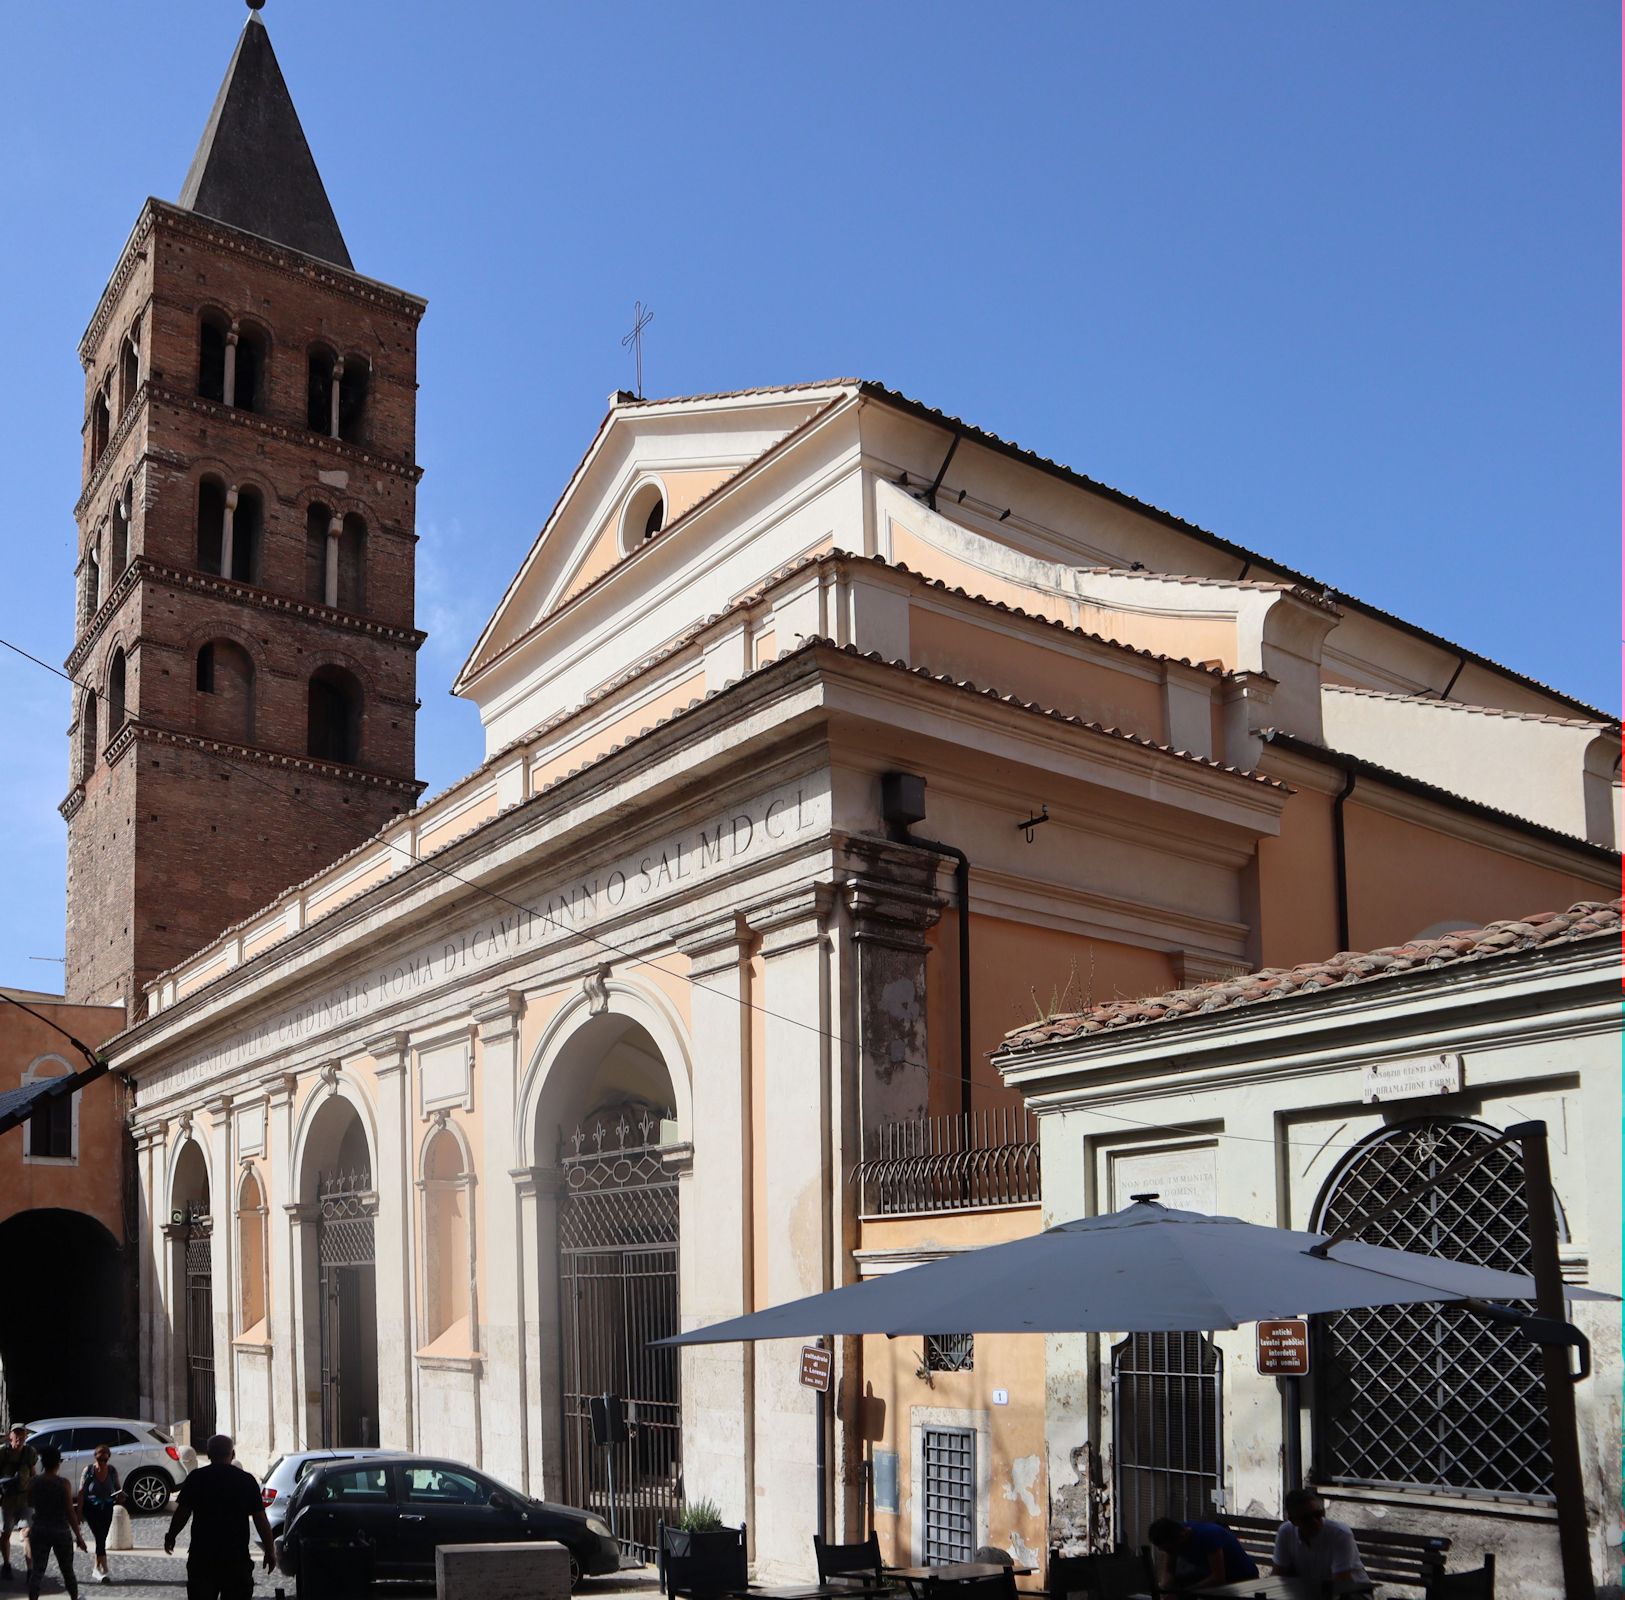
[680,453]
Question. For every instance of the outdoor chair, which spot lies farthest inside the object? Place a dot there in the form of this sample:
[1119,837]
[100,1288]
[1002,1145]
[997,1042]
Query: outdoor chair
[1479,1584]
[847,1560]
[1107,1575]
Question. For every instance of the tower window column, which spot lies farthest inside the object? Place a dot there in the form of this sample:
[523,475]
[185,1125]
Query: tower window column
[228,517]
[229,385]
[333,424]
[335,530]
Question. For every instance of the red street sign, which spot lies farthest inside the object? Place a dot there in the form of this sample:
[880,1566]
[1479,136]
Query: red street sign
[816,1363]
[1283,1348]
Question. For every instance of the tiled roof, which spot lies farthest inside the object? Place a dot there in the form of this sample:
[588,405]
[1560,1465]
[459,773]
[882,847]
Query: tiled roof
[1586,919]
[1315,597]
[1472,710]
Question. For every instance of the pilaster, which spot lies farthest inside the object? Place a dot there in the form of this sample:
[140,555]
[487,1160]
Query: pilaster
[222,1256]
[391,1053]
[282,1262]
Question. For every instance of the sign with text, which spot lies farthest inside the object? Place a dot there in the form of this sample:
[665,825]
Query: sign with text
[1283,1348]
[1409,1080]
[816,1365]
[1185,1178]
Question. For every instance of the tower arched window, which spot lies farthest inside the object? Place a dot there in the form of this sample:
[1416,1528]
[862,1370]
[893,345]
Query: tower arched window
[248,528]
[129,369]
[446,1218]
[319,396]
[354,382]
[333,716]
[224,696]
[318,525]
[211,356]
[87,735]
[1420,1396]
[101,425]
[119,549]
[93,583]
[352,573]
[211,522]
[115,693]
[247,391]
[251,1254]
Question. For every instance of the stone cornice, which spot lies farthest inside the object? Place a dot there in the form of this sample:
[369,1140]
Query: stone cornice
[250,754]
[69,807]
[230,589]
[279,259]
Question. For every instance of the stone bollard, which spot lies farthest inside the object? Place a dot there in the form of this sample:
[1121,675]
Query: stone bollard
[119,1535]
[533,1570]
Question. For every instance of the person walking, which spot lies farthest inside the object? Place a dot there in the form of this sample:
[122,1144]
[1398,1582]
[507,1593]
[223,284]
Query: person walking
[18,1459]
[99,1491]
[224,1500]
[53,1525]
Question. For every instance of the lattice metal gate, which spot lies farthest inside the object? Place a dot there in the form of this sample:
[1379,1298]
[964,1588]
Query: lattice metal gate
[345,1254]
[948,1520]
[617,1291]
[1423,1395]
[200,1328]
[1166,1400]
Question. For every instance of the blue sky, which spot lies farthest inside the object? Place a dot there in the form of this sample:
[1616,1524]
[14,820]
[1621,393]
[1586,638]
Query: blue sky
[1337,282]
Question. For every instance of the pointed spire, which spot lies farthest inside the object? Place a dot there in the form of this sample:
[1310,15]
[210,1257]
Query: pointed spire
[253,168]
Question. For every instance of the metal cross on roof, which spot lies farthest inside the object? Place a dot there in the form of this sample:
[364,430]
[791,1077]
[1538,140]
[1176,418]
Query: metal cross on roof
[641,319]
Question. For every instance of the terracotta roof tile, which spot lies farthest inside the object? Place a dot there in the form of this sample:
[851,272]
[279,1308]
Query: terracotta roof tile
[1584,920]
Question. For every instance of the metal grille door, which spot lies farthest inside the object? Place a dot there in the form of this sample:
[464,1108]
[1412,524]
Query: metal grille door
[618,1290]
[199,1329]
[347,1302]
[1165,1414]
[948,1461]
[1418,1394]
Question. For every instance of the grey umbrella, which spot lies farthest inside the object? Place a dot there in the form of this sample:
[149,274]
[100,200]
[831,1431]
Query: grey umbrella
[1145,1268]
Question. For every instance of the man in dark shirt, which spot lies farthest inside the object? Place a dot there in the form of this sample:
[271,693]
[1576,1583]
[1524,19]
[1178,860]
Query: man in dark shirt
[220,1500]
[1199,1555]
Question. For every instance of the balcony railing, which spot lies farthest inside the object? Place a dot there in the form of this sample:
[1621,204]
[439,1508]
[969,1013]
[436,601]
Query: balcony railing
[979,1161]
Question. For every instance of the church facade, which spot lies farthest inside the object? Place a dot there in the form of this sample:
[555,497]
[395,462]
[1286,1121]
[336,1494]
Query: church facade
[827,736]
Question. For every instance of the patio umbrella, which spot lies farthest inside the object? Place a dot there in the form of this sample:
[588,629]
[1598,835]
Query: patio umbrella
[1144,1269]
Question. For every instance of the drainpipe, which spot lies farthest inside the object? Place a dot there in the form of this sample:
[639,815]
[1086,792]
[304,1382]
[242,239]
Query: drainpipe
[1340,857]
[902,804]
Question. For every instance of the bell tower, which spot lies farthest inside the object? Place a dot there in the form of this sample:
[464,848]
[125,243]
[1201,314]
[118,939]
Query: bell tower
[245,655]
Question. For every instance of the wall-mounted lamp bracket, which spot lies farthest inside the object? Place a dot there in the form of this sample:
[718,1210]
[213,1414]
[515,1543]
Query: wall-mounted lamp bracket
[1032,822]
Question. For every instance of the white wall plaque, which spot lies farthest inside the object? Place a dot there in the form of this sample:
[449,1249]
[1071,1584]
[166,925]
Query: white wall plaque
[1183,1179]
[251,1130]
[445,1073]
[1407,1080]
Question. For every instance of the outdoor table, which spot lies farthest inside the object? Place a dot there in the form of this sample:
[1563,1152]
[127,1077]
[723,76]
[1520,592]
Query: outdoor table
[852,1589]
[917,1577]
[1286,1588]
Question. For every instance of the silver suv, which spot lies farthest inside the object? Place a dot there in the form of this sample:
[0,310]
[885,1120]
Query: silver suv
[286,1473]
[150,1464]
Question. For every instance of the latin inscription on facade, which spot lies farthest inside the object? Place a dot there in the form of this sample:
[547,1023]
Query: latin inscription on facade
[1186,1179]
[673,866]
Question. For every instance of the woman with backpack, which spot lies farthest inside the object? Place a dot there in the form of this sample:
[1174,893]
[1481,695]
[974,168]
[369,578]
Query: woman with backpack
[99,1492]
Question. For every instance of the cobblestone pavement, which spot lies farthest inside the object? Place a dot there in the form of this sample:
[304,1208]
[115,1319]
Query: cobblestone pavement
[146,1572]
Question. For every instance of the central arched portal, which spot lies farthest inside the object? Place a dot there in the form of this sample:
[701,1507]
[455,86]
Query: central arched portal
[336,1188]
[195,1240]
[609,1119]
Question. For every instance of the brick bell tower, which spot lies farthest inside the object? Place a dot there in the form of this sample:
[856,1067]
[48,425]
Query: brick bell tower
[245,657]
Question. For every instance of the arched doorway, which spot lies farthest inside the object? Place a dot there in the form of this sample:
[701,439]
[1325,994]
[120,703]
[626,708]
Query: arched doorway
[340,1276]
[67,1348]
[192,1228]
[604,1126]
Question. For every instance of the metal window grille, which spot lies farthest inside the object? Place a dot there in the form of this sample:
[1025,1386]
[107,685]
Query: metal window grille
[950,1352]
[955,1163]
[948,1456]
[199,1323]
[1426,1395]
[1166,1398]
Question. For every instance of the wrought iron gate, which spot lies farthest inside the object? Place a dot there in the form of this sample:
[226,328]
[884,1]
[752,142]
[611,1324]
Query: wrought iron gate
[346,1207]
[1165,1430]
[618,1290]
[200,1328]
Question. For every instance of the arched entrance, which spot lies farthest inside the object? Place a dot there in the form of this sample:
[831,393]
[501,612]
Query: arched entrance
[340,1276]
[65,1346]
[192,1227]
[605,1126]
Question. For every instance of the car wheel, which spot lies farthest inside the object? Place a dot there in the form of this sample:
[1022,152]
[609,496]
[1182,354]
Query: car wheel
[148,1492]
[575,1574]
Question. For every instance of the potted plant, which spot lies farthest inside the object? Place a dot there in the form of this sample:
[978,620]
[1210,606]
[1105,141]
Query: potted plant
[699,1536]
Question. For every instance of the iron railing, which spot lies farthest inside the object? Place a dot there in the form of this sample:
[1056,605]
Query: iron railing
[971,1162]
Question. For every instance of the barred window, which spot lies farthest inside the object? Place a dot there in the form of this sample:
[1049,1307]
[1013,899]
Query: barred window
[950,1352]
[1429,1396]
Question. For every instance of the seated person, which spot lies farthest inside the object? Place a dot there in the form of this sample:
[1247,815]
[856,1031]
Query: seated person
[1198,1554]
[1310,1546]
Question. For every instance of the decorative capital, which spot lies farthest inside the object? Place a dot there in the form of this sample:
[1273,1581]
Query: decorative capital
[388,1052]
[497,1015]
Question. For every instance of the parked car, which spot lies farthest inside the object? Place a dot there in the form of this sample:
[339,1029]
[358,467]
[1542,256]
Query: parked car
[286,1473]
[150,1464]
[401,1508]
